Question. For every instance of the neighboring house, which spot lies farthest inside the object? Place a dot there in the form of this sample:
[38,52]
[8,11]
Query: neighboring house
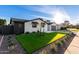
[52,26]
[18,25]
[77,26]
[65,24]
[35,25]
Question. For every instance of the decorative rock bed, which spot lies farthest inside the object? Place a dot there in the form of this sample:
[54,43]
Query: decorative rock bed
[58,46]
[13,46]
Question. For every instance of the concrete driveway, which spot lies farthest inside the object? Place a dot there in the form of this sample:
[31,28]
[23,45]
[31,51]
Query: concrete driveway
[74,46]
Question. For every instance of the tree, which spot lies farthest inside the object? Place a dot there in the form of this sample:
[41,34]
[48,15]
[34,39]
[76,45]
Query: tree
[41,29]
[2,21]
[77,26]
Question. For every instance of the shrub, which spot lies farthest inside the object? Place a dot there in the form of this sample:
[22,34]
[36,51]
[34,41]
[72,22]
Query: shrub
[38,31]
[58,44]
[9,41]
[33,32]
[27,32]
[9,37]
[10,44]
[62,42]
[63,28]
[53,51]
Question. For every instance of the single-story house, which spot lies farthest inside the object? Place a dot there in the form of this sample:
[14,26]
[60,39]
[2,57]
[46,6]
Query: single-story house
[34,25]
[52,26]
[39,24]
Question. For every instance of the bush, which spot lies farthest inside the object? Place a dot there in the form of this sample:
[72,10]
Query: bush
[10,44]
[38,31]
[9,41]
[33,32]
[63,28]
[58,44]
[27,32]
[9,37]
[62,42]
[53,51]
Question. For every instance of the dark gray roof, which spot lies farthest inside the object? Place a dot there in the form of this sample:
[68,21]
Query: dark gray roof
[24,20]
[18,20]
[39,19]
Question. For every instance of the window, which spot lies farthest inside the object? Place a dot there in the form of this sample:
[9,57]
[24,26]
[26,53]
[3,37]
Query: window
[42,24]
[34,24]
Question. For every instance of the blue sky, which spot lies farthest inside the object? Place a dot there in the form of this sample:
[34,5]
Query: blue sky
[57,13]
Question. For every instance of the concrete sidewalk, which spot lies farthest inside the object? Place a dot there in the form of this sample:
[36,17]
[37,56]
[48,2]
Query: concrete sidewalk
[74,46]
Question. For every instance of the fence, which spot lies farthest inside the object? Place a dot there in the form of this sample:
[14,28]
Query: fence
[6,29]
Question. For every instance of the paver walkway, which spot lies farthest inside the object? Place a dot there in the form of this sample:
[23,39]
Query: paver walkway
[74,46]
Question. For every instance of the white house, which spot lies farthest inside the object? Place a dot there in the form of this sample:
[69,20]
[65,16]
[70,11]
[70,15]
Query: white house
[39,24]
[35,25]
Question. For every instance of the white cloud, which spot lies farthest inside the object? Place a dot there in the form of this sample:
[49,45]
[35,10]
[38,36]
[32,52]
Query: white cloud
[46,18]
[46,9]
[75,21]
[59,15]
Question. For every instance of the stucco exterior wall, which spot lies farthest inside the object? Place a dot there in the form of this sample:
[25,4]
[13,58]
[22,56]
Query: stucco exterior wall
[29,28]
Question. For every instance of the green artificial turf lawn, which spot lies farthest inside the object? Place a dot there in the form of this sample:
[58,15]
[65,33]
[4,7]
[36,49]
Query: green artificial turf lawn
[33,41]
